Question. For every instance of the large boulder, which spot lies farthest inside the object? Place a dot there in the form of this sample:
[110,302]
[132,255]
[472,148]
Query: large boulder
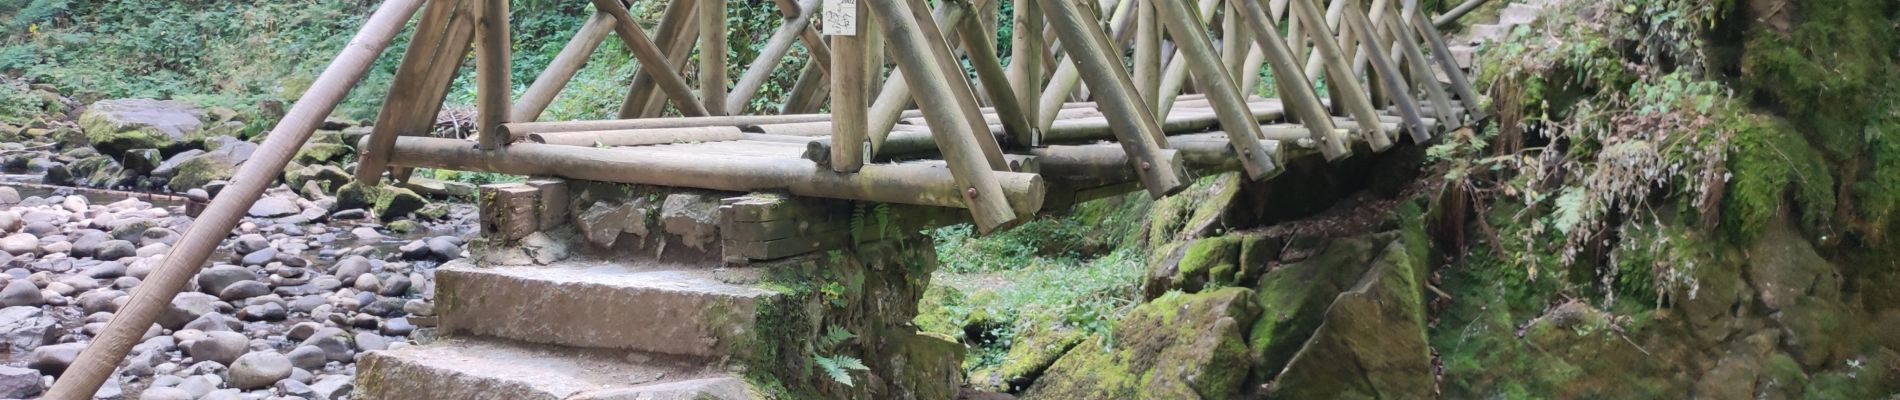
[1372,343]
[115,126]
[202,169]
[1179,346]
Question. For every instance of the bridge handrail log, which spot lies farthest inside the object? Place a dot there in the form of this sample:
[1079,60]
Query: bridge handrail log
[96,363]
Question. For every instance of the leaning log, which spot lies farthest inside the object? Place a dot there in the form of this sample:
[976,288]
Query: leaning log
[96,363]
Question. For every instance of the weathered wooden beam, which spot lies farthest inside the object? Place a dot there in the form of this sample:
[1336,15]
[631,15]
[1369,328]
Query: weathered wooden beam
[981,49]
[494,89]
[640,137]
[771,55]
[1148,54]
[1339,75]
[649,56]
[1460,84]
[1229,105]
[1067,74]
[421,83]
[895,95]
[1407,38]
[1136,129]
[559,71]
[974,175]
[1295,89]
[1387,70]
[886,183]
[678,32]
[849,107]
[128,327]
[520,130]
[808,93]
[961,89]
[1175,76]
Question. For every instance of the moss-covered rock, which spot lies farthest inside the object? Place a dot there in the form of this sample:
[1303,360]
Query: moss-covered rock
[1030,354]
[1372,343]
[198,171]
[1293,300]
[1179,346]
[317,153]
[114,126]
[386,202]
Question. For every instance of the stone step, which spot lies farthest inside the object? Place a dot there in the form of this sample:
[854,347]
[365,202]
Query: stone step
[1463,54]
[1489,32]
[1519,14]
[480,369]
[640,306]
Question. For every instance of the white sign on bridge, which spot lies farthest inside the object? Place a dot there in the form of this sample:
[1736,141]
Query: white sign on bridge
[841,17]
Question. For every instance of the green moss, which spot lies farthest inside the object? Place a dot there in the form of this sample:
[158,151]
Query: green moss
[1770,161]
[1208,262]
[197,172]
[322,153]
[1823,70]
[1177,346]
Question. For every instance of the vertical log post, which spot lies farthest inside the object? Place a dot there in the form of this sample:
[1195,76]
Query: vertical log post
[1209,70]
[1137,131]
[494,89]
[712,57]
[954,136]
[1025,66]
[848,104]
[97,362]
[1295,89]
[1148,54]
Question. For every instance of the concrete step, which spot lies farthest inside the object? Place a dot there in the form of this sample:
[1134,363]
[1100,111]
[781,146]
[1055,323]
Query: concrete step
[480,369]
[640,306]
[1463,55]
[1519,14]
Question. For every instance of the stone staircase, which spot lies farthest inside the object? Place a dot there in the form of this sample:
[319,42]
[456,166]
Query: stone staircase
[575,329]
[628,292]
[1464,48]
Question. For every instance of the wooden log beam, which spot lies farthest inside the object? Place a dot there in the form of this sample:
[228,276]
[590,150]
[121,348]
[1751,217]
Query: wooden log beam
[1387,70]
[494,89]
[1422,76]
[559,71]
[962,90]
[128,326]
[1295,89]
[650,57]
[770,56]
[1460,84]
[1174,77]
[981,49]
[1339,75]
[678,32]
[1148,55]
[1136,129]
[421,83]
[849,107]
[1068,75]
[521,130]
[895,95]
[973,173]
[808,93]
[884,183]
[1198,52]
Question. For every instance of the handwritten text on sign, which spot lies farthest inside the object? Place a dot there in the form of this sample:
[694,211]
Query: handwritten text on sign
[841,17]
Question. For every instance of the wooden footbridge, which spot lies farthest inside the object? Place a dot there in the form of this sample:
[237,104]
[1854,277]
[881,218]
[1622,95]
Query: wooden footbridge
[1099,97]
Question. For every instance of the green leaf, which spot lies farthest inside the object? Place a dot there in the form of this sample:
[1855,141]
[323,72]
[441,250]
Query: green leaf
[835,335]
[834,368]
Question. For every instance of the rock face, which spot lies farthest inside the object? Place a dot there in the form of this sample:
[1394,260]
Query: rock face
[115,126]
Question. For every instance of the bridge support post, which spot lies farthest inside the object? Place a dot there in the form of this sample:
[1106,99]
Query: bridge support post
[1135,128]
